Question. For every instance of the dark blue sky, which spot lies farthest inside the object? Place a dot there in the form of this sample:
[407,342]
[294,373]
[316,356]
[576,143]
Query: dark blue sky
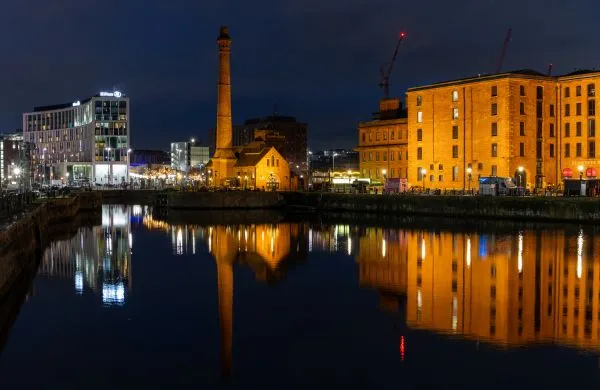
[318,60]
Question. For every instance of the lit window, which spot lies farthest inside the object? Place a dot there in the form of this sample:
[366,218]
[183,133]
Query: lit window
[420,117]
[454,96]
[455,113]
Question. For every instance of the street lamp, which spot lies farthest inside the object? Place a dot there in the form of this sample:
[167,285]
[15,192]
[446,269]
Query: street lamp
[470,172]
[423,173]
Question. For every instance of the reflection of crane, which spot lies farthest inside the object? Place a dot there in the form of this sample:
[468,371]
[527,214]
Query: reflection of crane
[386,73]
[504,47]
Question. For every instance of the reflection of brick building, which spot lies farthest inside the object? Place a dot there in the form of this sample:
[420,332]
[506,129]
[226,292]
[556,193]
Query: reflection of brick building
[382,142]
[535,287]
[495,124]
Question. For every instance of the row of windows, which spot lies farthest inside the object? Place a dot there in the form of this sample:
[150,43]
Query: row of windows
[552,133]
[391,174]
[379,135]
[591,129]
[383,155]
[273,162]
[591,108]
[578,150]
[422,173]
[591,91]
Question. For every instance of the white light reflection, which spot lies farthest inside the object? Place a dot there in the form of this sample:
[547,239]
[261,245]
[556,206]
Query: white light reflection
[193,243]
[520,252]
[210,230]
[179,241]
[79,282]
[349,245]
[137,210]
[310,240]
[423,251]
[419,299]
[383,247]
[580,254]
[468,252]
[113,294]
[454,313]
[130,241]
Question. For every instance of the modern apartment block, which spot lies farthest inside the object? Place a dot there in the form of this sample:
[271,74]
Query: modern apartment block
[532,127]
[83,140]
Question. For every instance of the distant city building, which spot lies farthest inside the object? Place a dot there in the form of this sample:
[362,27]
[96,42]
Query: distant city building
[148,157]
[327,165]
[10,156]
[334,160]
[199,156]
[180,156]
[383,142]
[295,141]
[83,140]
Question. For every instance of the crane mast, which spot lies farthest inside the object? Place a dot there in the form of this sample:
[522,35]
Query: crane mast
[503,52]
[387,72]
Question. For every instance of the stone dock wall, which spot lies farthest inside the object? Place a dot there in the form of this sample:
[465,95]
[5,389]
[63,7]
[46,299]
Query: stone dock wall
[457,207]
[34,230]
[561,209]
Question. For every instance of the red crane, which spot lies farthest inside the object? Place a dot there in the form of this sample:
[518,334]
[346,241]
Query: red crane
[504,47]
[386,73]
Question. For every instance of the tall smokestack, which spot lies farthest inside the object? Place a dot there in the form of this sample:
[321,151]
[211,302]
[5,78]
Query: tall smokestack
[224,126]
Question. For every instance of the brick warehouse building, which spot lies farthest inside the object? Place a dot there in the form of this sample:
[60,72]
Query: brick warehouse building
[523,124]
[383,142]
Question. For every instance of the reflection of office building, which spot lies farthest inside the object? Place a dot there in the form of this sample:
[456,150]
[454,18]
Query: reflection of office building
[87,139]
[97,258]
[535,287]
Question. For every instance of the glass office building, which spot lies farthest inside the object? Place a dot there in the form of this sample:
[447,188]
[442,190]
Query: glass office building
[87,140]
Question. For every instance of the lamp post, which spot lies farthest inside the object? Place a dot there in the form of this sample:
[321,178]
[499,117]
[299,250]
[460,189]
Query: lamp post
[580,169]
[423,173]
[469,173]
[520,169]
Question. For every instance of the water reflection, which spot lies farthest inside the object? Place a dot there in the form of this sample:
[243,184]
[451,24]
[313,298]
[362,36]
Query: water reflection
[506,288]
[97,258]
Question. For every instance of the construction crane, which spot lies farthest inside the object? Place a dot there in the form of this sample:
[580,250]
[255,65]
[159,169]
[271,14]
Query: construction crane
[386,73]
[503,52]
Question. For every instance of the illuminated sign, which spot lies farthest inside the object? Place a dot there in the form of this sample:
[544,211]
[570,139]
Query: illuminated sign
[77,103]
[116,94]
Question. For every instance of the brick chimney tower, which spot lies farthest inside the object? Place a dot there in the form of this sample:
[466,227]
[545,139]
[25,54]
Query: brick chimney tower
[224,158]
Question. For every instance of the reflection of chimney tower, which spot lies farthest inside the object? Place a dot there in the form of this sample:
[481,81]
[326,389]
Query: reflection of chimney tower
[224,127]
[225,285]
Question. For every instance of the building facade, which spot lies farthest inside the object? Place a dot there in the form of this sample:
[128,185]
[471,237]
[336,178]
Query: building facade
[84,140]
[148,157]
[525,125]
[199,156]
[383,143]
[294,146]
[10,157]
[180,156]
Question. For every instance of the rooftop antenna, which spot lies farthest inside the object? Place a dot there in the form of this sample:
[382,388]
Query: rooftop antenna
[550,69]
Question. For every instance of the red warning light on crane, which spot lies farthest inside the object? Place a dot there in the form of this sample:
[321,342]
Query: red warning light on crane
[402,35]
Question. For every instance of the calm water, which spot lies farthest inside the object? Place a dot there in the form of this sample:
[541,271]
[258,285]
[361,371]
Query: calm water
[138,303]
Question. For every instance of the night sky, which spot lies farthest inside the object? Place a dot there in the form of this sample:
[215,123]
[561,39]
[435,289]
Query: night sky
[317,59]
